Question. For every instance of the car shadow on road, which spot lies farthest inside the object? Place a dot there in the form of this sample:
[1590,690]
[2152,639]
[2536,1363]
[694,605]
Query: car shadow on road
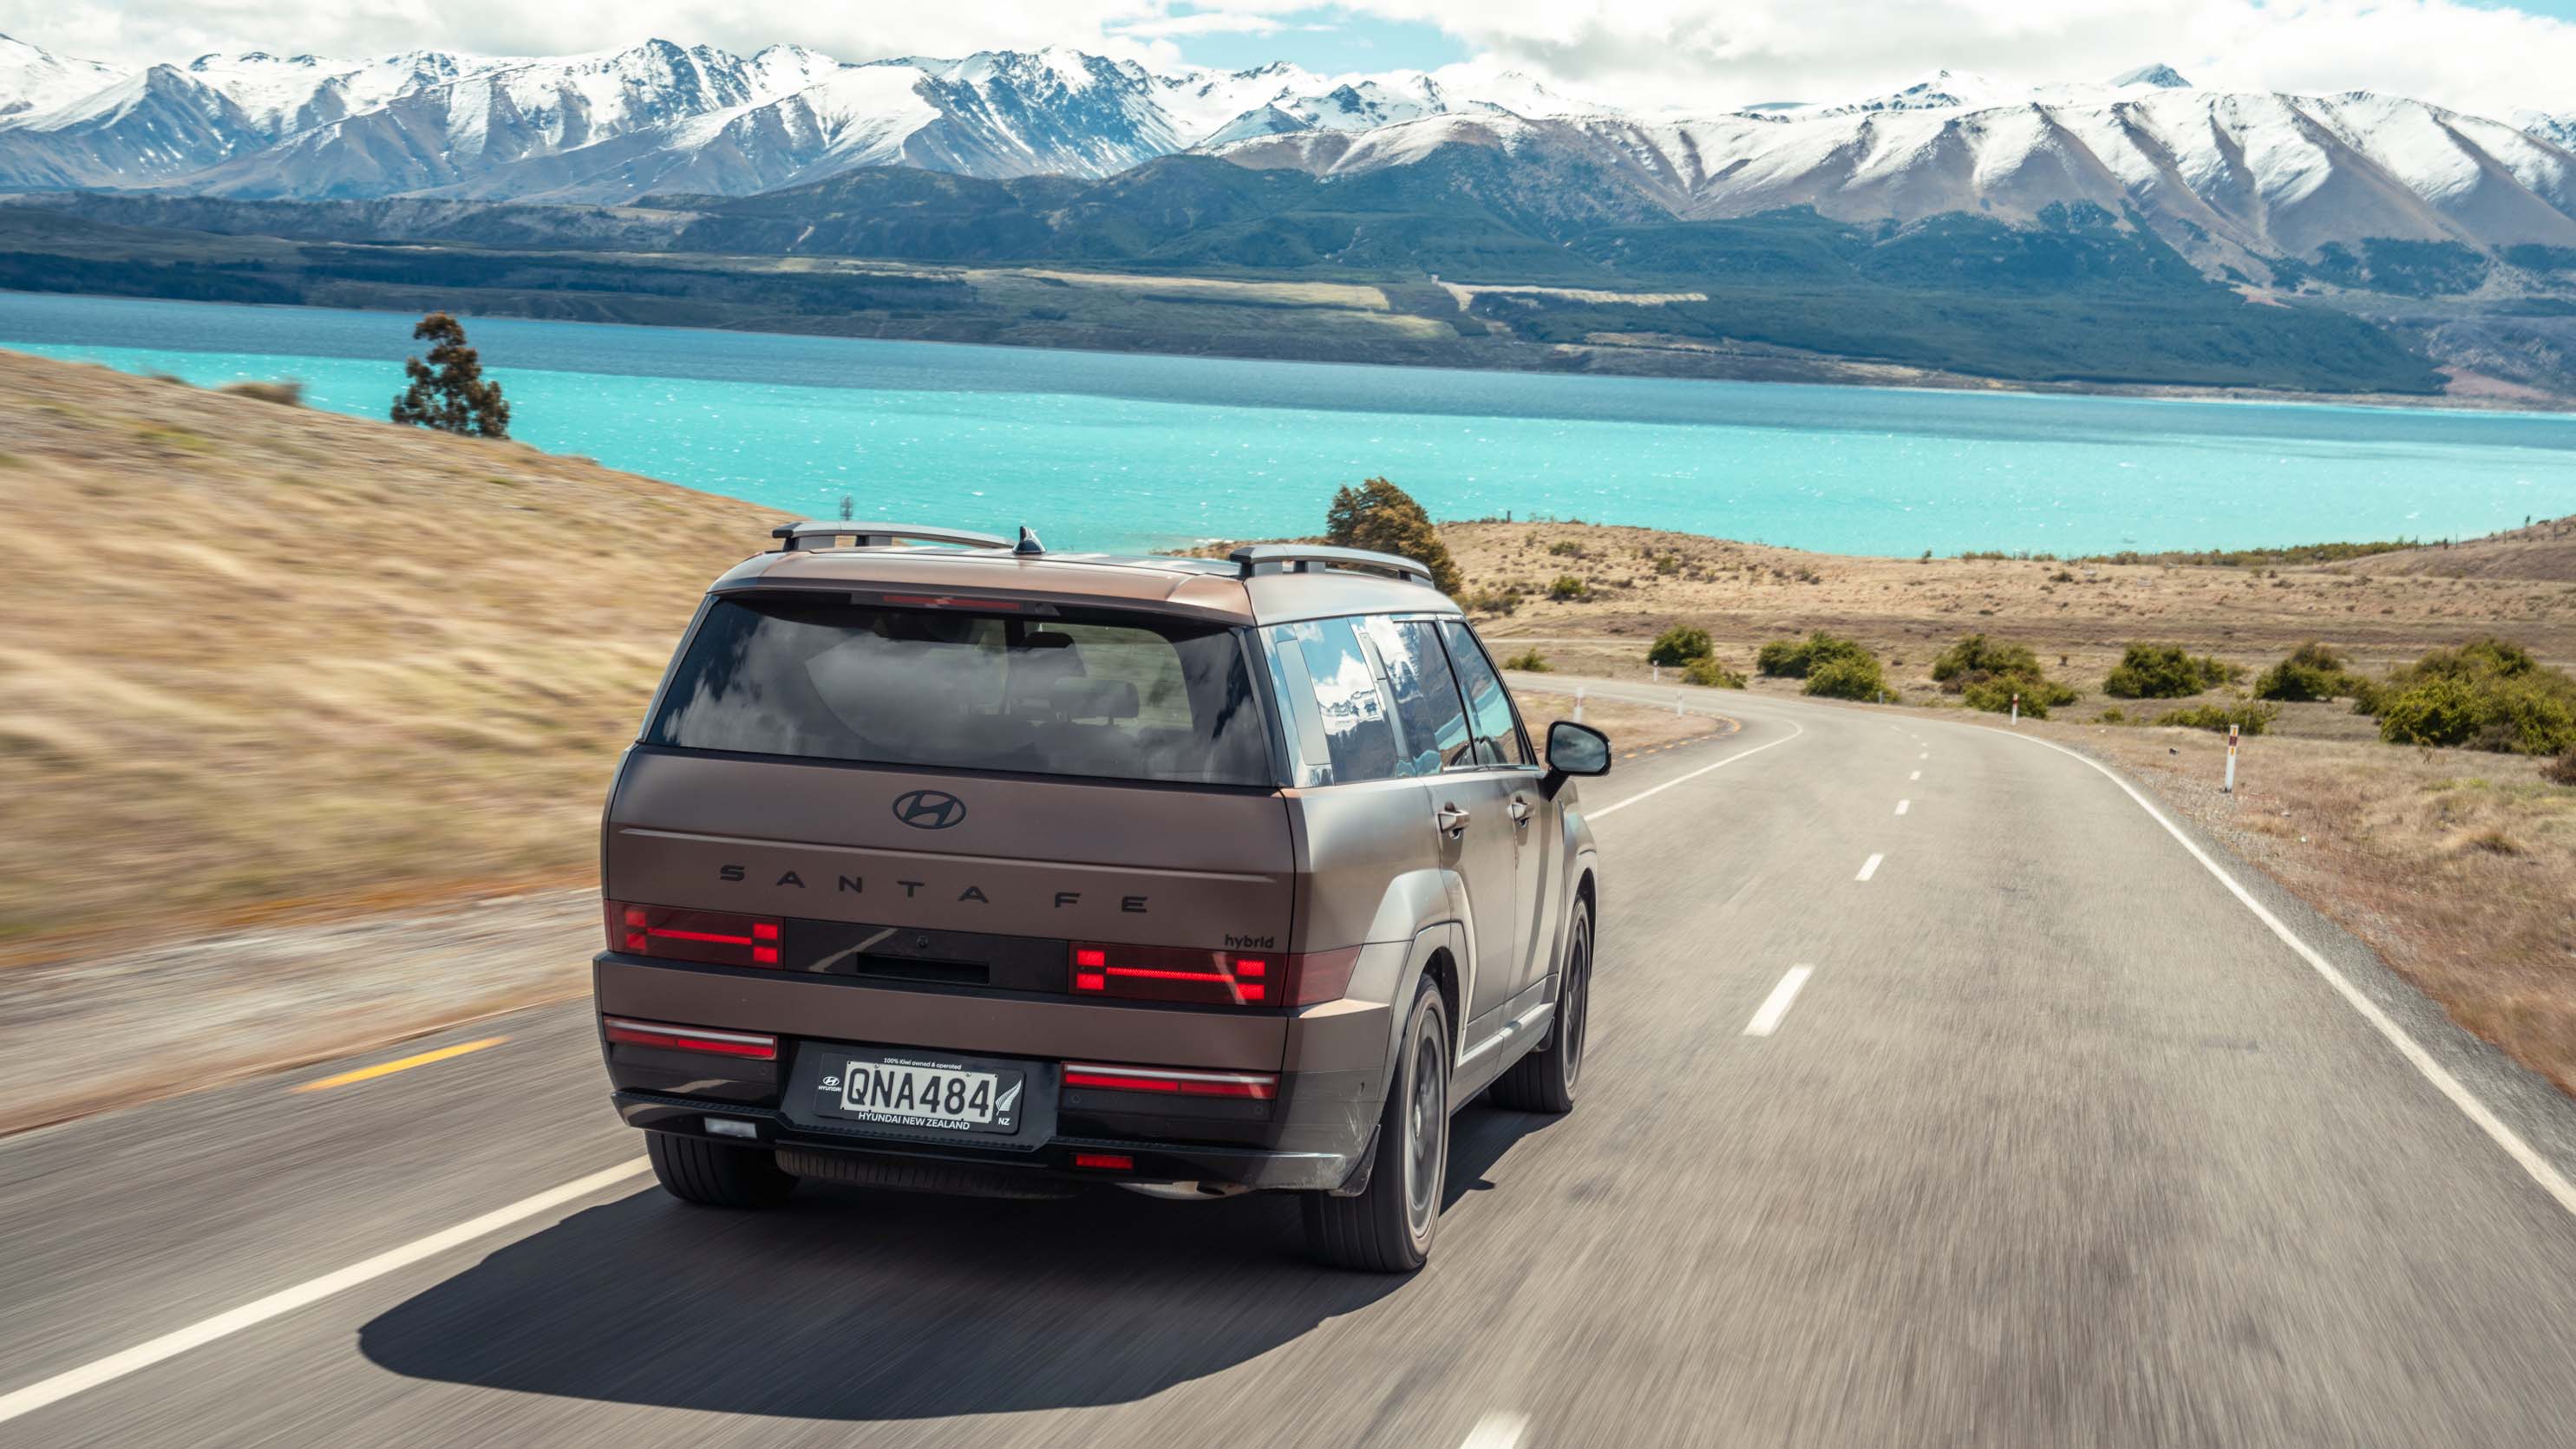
[858,1305]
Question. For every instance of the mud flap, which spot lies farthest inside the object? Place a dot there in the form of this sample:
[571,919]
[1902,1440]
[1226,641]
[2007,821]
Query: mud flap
[1358,1181]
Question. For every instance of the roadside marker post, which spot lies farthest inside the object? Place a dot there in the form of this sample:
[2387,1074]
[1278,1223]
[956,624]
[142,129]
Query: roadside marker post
[1578,704]
[2016,718]
[1677,701]
[2230,787]
[1659,673]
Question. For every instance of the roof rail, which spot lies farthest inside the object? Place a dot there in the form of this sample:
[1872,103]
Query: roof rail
[812,534]
[1301,557]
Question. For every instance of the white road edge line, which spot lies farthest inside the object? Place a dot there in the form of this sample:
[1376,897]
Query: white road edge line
[1497,1431]
[1904,805]
[1776,1005]
[1796,730]
[170,1345]
[2542,1172]
[1869,867]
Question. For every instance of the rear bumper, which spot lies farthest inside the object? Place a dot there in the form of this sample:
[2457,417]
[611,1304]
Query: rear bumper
[1315,1135]
[1209,1164]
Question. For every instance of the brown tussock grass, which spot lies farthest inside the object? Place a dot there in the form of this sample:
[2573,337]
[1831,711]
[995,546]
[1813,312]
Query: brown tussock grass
[269,662]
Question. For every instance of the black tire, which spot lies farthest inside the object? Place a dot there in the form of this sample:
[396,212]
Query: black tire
[1389,1227]
[717,1174]
[1545,1080]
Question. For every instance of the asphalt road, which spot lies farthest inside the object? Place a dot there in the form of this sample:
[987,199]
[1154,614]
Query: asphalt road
[2054,1141]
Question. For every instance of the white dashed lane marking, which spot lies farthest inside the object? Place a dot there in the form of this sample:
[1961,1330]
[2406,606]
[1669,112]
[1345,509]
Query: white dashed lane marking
[1776,1005]
[1869,867]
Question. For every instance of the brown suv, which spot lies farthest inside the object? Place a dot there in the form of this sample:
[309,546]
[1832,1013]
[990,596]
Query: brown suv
[973,868]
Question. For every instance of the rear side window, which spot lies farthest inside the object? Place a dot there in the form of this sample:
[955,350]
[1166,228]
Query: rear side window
[1427,702]
[1094,694]
[1328,689]
[1498,735]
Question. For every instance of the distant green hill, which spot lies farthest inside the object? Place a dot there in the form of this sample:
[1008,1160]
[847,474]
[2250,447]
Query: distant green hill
[2084,297]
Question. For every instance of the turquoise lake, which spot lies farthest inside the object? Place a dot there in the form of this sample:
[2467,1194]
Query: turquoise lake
[1099,450]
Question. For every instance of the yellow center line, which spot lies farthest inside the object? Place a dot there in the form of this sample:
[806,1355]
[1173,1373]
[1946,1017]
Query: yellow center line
[386,1069]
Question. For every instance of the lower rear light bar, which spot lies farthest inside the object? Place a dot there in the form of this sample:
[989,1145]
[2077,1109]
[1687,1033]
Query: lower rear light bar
[1251,1086]
[751,1045]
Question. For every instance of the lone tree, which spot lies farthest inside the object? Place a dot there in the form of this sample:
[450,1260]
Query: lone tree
[448,391]
[1380,516]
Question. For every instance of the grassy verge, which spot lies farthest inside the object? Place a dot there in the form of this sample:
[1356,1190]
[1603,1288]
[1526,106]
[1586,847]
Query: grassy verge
[269,663]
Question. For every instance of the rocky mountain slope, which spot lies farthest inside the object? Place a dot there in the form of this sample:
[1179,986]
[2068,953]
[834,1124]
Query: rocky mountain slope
[2230,179]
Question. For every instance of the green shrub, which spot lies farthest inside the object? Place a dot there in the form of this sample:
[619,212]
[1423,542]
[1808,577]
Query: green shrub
[1986,675]
[1380,516]
[1977,654]
[2561,771]
[1995,696]
[1847,676]
[1567,586]
[2249,717]
[1566,548]
[2312,671]
[1801,658]
[2166,671]
[2113,715]
[1680,644]
[1529,661]
[1708,673]
[1491,601]
[2488,694]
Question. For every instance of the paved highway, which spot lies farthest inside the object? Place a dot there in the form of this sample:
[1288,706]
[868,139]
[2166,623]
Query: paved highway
[1939,1093]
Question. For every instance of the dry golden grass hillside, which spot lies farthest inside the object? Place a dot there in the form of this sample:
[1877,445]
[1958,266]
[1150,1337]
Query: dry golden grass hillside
[1636,582]
[266,660]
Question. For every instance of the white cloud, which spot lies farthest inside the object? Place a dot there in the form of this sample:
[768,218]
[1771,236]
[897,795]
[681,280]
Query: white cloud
[1674,52]
[1682,52]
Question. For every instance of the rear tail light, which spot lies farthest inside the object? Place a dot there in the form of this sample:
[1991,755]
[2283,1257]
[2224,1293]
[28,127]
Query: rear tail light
[1167,1082]
[747,1044]
[1105,1161]
[1210,978]
[719,938]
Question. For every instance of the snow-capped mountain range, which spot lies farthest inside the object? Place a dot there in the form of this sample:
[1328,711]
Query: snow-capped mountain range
[2221,173]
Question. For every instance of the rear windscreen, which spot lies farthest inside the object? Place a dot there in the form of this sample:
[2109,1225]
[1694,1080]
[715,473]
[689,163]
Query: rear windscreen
[1115,696]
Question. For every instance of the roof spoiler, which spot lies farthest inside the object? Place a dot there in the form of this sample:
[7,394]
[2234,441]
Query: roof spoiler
[1305,557]
[809,535]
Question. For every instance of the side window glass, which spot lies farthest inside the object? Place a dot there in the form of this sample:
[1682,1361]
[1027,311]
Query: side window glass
[1337,705]
[1427,703]
[1498,735]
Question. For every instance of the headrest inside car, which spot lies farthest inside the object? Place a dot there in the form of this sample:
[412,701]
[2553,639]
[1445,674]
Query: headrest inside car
[1093,699]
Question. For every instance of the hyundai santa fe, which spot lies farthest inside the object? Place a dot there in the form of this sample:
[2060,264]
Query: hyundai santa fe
[948,864]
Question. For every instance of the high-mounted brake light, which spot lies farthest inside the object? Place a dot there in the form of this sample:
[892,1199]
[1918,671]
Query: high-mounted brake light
[716,937]
[1213,978]
[1169,1082]
[752,1045]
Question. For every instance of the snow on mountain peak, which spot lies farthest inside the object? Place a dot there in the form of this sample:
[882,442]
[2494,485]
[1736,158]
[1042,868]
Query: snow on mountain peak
[34,79]
[2159,75]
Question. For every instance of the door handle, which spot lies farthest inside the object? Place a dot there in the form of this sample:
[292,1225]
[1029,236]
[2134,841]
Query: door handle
[1520,811]
[1453,821]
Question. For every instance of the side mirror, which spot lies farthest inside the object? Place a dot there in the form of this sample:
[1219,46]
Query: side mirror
[1574,749]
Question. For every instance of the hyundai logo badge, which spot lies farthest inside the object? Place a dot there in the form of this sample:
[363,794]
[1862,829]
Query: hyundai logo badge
[929,809]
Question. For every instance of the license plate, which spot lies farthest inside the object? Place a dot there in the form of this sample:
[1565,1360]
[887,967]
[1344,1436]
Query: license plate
[926,1093]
